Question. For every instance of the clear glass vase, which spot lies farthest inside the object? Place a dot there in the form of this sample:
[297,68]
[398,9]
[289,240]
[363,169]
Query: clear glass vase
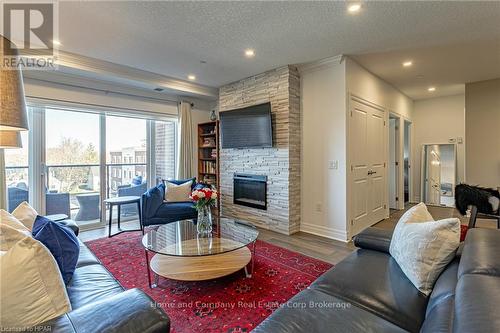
[204,224]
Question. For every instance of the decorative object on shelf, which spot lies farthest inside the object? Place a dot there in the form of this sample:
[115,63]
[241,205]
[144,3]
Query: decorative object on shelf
[203,200]
[208,142]
[213,115]
[14,114]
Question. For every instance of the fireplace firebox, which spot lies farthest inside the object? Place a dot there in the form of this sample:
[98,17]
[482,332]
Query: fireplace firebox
[250,190]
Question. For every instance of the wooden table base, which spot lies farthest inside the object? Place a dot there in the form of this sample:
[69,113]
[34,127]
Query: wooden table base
[200,268]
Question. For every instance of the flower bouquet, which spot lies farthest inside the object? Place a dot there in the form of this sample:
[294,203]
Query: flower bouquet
[203,200]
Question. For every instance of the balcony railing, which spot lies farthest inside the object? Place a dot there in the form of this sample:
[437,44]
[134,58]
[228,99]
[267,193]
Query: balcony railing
[82,183]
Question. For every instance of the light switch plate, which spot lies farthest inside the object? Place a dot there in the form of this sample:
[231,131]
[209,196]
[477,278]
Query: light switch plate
[333,164]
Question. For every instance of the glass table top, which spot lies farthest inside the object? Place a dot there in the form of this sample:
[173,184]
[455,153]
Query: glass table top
[181,238]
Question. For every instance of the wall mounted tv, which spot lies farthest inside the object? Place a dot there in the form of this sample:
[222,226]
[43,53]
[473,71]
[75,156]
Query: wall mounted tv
[249,127]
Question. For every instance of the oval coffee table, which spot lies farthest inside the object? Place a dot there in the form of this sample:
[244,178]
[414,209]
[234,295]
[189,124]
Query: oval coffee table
[182,254]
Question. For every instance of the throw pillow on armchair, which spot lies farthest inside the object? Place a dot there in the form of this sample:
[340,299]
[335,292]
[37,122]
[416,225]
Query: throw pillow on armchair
[178,192]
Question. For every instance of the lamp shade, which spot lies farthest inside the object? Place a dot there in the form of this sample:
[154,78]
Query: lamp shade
[13,115]
[10,139]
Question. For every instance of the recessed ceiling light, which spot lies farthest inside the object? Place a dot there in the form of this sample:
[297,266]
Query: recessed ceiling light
[407,63]
[191,77]
[56,42]
[249,53]
[354,8]
[431,89]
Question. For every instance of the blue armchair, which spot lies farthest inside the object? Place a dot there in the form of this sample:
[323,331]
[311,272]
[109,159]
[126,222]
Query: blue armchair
[156,211]
[131,190]
[55,203]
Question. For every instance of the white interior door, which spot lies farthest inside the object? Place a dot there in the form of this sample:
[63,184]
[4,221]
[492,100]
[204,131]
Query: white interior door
[368,161]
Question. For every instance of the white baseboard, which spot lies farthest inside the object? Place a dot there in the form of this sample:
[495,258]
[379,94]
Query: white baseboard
[318,230]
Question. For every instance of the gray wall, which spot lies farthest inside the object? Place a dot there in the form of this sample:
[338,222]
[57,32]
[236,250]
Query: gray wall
[482,132]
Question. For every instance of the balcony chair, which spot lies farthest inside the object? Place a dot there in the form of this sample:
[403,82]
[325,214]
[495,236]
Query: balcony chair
[89,207]
[55,203]
[131,190]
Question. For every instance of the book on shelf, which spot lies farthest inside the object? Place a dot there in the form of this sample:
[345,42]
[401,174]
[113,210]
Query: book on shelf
[208,167]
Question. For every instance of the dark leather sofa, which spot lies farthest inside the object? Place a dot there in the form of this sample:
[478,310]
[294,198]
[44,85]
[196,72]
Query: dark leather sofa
[368,292]
[100,304]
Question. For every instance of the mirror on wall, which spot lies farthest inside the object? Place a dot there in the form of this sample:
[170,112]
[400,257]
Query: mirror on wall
[438,174]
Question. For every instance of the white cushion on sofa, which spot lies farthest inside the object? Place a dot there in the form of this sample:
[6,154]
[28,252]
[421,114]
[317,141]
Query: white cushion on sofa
[26,214]
[32,287]
[8,219]
[178,193]
[423,247]
[9,236]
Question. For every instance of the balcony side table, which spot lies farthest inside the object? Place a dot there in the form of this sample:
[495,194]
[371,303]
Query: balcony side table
[118,202]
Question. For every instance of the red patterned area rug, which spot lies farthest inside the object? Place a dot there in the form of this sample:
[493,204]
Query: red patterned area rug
[231,304]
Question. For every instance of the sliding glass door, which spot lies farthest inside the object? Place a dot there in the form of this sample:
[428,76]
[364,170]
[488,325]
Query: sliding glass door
[126,160]
[89,155]
[16,174]
[82,156]
[72,141]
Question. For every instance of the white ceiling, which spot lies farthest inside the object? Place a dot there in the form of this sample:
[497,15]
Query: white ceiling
[450,42]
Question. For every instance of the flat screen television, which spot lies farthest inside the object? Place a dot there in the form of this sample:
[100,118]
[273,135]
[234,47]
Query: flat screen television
[249,127]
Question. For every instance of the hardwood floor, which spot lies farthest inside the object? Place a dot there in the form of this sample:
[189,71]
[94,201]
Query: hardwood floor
[325,249]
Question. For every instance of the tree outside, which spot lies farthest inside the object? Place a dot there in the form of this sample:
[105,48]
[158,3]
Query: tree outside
[74,179]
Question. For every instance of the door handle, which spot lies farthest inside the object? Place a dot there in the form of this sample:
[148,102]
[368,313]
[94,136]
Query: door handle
[371,172]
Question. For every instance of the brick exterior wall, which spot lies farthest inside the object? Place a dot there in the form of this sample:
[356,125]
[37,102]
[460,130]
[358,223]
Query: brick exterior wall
[281,163]
[165,150]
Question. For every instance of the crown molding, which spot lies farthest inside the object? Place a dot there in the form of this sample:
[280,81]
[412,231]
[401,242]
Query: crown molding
[61,80]
[91,68]
[320,64]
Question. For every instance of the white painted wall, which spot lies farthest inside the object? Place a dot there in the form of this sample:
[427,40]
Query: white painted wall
[437,120]
[482,131]
[323,195]
[325,89]
[362,83]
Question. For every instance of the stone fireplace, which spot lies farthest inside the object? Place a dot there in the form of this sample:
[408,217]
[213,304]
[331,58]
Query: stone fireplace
[279,164]
[250,190]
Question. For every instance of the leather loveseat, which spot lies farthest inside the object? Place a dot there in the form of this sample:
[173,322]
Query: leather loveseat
[368,292]
[100,304]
